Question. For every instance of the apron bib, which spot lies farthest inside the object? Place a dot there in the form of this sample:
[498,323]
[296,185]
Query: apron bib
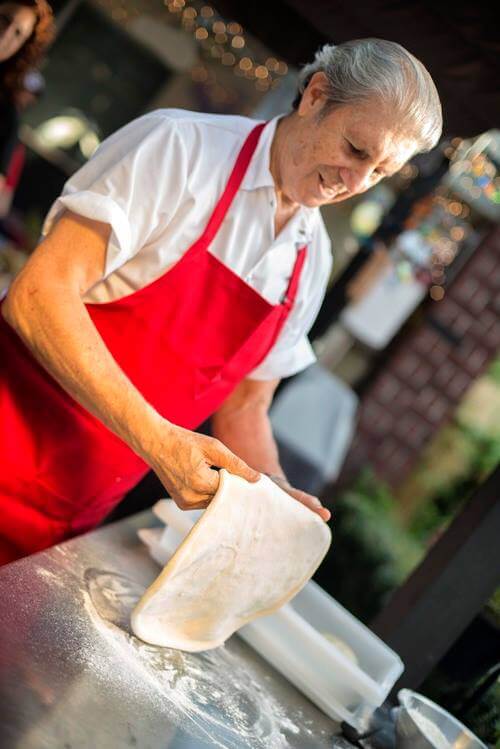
[185,341]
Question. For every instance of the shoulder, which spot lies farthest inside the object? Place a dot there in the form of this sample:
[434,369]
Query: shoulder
[211,128]
[213,125]
[172,134]
[210,136]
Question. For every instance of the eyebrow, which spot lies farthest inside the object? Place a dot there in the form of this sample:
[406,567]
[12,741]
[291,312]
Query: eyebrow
[364,151]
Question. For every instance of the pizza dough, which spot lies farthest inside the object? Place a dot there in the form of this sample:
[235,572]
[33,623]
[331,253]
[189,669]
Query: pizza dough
[252,550]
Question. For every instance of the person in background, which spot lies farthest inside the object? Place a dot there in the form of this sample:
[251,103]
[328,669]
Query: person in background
[26,30]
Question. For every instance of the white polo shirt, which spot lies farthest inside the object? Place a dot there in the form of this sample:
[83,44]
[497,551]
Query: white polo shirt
[156,182]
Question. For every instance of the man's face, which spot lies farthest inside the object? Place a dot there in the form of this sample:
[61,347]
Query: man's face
[342,153]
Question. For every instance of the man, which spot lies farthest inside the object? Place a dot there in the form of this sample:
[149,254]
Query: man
[180,272]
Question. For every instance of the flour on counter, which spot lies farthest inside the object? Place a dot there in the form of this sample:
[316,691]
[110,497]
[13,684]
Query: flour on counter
[50,576]
[214,694]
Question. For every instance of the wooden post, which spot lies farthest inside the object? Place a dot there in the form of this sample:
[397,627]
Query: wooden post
[427,614]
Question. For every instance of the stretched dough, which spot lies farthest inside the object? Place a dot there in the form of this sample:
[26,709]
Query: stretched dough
[252,550]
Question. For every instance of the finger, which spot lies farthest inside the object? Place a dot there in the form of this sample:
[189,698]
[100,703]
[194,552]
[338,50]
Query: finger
[211,480]
[313,503]
[198,496]
[198,506]
[226,459]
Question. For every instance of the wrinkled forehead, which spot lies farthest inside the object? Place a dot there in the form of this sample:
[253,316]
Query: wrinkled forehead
[388,148]
[379,132]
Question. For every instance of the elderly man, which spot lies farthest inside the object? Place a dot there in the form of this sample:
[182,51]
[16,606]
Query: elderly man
[180,272]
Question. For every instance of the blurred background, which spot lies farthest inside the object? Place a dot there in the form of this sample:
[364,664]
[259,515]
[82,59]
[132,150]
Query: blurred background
[398,425]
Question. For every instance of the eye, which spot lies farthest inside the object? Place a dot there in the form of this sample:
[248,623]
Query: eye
[356,151]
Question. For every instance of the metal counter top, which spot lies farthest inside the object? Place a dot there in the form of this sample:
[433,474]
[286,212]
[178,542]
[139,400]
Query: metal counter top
[72,676]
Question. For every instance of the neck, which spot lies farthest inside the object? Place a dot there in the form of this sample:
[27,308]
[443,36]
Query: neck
[280,150]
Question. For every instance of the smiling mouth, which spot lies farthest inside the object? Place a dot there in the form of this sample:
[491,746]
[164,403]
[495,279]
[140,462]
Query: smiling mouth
[331,192]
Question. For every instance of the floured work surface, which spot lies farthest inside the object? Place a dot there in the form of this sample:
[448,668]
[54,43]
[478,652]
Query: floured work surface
[252,550]
[73,674]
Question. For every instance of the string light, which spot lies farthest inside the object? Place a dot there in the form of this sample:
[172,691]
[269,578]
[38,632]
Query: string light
[457,233]
[261,71]
[234,28]
[437,293]
[220,40]
[224,41]
[455,208]
[474,170]
[237,42]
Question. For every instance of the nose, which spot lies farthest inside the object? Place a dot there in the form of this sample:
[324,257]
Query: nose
[358,179]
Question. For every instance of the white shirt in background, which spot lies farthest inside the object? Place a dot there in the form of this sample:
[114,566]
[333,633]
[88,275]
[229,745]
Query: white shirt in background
[156,182]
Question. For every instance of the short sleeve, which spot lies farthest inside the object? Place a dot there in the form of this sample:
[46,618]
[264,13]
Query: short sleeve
[292,352]
[134,182]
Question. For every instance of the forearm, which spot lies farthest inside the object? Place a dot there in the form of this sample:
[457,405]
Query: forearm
[248,434]
[54,324]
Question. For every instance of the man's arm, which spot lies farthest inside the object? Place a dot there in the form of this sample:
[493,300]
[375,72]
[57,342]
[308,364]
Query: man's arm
[45,307]
[242,424]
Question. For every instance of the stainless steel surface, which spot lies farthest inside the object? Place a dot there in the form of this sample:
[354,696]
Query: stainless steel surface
[72,676]
[421,724]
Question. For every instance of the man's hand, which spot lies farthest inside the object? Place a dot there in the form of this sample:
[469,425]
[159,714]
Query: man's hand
[308,500]
[186,463]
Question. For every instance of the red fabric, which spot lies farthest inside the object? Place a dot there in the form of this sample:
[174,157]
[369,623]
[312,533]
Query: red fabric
[185,341]
[16,165]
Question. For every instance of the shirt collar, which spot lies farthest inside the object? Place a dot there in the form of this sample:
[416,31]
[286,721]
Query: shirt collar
[259,174]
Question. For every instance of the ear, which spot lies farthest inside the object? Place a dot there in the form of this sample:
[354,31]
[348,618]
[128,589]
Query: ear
[314,96]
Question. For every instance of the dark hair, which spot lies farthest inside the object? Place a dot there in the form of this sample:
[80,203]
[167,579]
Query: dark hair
[13,70]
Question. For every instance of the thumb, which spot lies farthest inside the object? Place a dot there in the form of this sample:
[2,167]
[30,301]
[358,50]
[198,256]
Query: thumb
[230,461]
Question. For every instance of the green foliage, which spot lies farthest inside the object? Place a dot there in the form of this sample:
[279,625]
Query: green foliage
[371,554]
[482,718]
[494,370]
[493,607]
[441,508]
[486,451]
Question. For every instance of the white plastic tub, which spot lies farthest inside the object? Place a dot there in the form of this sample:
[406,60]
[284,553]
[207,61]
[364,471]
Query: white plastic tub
[293,639]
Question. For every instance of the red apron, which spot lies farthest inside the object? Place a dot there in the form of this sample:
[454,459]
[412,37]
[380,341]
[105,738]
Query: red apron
[185,341]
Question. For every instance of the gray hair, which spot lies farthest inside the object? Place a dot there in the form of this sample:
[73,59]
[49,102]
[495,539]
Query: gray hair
[365,68]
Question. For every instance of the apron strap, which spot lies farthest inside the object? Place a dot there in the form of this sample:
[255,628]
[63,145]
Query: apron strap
[233,183]
[293,285]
